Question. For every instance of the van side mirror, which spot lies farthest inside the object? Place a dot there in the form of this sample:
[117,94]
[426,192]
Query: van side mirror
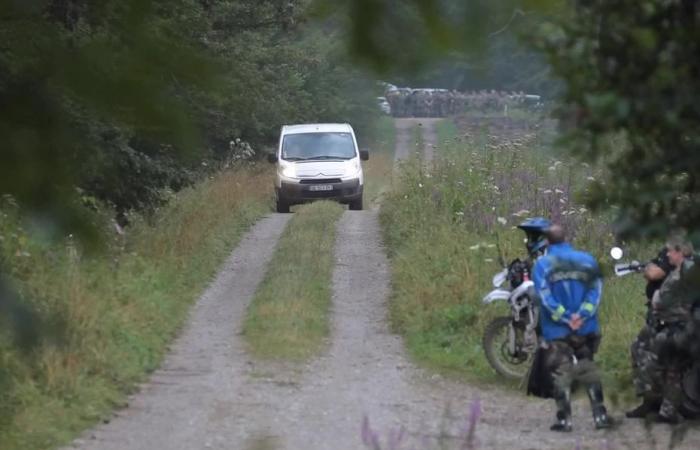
[364,155]
[272,158]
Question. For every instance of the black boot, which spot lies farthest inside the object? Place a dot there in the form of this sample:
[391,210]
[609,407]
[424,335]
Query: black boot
[648,406]
[563,400]
[668,413]
[600,414]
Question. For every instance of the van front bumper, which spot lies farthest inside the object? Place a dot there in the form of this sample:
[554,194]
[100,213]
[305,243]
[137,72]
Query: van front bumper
[308,190]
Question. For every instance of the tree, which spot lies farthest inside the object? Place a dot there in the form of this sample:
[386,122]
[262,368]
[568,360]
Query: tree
[630,72]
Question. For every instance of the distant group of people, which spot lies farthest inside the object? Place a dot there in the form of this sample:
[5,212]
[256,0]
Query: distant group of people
[568,283]
[425,102]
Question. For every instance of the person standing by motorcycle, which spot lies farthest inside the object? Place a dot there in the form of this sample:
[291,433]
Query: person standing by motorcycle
[569,284]
[641,353]
[535,237]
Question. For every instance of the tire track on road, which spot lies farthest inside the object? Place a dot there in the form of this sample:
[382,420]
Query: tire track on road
[404,138]
[173,409]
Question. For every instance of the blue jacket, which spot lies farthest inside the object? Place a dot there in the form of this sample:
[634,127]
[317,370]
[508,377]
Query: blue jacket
[568,281]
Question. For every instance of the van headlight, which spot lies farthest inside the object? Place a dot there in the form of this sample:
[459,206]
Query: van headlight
[288,172]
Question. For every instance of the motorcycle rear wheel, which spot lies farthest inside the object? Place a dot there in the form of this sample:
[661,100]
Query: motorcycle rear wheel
[495,343]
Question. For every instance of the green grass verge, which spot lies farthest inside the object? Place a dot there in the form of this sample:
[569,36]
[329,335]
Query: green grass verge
[106,319]
[288,317]
[442,229]
[379,168]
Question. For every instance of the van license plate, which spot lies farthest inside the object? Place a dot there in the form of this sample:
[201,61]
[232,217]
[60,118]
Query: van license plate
[321,187]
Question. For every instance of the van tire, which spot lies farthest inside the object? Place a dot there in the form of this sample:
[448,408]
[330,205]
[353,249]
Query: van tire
[356,205]
[282,207]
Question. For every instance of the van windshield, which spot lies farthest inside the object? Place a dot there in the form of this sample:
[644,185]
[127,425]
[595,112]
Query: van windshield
[301,146]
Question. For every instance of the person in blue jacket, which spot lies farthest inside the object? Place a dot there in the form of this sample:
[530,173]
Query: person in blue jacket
[569,284]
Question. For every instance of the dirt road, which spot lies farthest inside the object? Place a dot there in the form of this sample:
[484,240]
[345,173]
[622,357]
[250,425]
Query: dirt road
[210,394]
[405,143]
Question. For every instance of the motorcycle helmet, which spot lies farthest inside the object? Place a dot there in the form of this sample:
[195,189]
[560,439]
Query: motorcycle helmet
[535,229]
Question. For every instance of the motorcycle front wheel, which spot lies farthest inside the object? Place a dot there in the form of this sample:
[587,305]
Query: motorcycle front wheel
[495,343]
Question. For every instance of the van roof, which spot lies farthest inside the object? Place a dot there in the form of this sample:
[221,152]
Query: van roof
[317,128]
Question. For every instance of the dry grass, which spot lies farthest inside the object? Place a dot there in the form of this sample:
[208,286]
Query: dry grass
[107,318]
[288,317]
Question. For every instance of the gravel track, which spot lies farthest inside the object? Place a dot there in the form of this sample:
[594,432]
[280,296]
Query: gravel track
[404,137]
[211,394]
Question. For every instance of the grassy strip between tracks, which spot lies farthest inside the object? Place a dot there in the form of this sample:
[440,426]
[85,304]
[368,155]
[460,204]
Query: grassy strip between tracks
[288,317]
[107,318]
[442,227]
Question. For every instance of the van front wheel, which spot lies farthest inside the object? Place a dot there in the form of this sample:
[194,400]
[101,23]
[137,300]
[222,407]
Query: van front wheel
[356,205]
[282,207]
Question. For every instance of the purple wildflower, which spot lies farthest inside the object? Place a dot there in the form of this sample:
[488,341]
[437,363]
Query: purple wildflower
[470,431]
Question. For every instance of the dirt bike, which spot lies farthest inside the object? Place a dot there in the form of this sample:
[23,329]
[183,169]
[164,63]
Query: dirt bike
[510,342]
[691,378]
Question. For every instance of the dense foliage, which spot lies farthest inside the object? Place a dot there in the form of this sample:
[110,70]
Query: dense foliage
[631,73]
[127,100]
[463,45]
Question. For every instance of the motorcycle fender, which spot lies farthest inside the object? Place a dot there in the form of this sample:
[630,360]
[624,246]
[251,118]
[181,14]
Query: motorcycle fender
[496,294]
[522,289]
[500,278]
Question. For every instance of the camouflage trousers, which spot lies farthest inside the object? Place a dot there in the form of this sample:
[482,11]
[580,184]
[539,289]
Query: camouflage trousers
[571,362]
[657,367]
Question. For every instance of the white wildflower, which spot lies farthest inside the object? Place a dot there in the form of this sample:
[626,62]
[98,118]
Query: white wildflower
[474,247]
[562,200]
[459,213]
[582,210]
[488,260]
[547,191]
[521,213]
[420,185]
[590,178]
[558,191]
[502,220]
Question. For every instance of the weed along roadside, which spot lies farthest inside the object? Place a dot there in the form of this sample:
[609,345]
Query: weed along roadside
[109,317]
[378,170]
[288,317]
[441,231]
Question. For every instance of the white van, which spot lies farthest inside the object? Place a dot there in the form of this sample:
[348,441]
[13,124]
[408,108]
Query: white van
[318,161]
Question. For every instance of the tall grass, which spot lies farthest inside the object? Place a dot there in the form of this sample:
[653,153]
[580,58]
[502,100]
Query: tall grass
[106,319]
[288,317]
[444,229]
[378,169]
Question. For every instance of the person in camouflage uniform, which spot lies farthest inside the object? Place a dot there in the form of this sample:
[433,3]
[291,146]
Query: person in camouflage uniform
[655,272]
[666,354]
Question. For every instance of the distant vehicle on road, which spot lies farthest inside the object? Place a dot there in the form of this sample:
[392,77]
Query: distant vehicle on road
[318,161]
[384,105]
